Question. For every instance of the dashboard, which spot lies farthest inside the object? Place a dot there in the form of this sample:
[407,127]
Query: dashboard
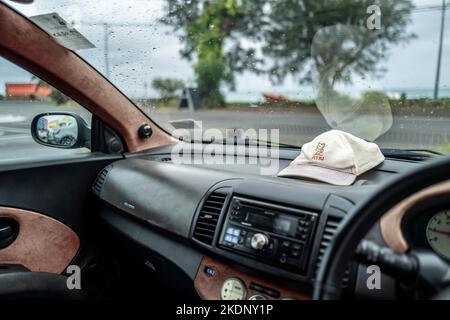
[230,233]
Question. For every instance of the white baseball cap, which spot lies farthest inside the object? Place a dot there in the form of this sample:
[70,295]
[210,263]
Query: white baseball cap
[334,157]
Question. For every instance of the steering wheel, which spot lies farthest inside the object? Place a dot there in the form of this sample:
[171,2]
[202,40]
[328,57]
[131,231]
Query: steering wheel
[361,219]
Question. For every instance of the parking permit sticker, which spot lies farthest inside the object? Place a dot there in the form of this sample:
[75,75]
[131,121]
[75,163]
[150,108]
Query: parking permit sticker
[61,31]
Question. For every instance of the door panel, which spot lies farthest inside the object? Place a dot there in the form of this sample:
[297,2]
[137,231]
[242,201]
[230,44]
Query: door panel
[43,243]
[59,189]
[54,207]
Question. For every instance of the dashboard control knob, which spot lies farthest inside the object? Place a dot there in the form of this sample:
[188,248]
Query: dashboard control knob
[259,241]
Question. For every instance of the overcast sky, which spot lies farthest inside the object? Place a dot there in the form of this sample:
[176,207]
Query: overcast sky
[139,54]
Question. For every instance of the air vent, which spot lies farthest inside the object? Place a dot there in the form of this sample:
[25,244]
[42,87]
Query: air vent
[166,159]
[328,233]
[208,218]
[100,180]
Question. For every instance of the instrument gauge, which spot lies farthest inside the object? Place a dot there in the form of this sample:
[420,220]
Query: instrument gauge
[233,289]
[438,233]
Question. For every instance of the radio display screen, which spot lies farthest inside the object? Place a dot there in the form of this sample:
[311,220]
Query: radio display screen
[268,220]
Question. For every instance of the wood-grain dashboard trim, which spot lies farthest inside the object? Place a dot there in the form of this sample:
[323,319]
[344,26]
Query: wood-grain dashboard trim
[391,222]
[43,243]
[208,287]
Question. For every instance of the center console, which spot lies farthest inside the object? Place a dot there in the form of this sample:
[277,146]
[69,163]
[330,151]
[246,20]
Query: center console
[273,234]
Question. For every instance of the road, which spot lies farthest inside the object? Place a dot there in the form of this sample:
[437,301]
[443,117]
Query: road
[299,127]
[407,131]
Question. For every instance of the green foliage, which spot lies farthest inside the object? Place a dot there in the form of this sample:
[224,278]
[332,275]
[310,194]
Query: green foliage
[282,38]
[209,73]
[339,100]
[305,35]
[371,99]
[207,34]
[167,87]
[59,97]
[445,148]
[403,99]
[204,27]
[421,103]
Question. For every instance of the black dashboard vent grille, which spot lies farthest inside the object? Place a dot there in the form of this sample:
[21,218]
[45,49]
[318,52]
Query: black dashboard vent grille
[100,180]
[208,218]
[346,278]
[328,233]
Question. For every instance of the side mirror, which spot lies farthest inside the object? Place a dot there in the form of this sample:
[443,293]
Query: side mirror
[61,130]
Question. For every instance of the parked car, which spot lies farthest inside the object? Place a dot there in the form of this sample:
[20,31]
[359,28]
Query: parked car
[62,131]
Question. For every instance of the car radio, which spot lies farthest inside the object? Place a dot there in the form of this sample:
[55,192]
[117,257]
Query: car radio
[272,233]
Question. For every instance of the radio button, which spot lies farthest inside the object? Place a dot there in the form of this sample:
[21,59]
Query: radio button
[296,246]
[272,293]
[285,244]
[259,241]
[229,244]
[295,254]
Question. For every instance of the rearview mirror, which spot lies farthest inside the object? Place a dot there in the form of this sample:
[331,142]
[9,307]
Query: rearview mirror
[60,130]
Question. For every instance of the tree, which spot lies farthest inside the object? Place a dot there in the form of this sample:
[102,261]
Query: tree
[290,37]
[302,36]
[204,26]
[167,87]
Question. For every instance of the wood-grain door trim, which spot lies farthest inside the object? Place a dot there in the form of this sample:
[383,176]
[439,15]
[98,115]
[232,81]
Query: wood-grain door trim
[43,243]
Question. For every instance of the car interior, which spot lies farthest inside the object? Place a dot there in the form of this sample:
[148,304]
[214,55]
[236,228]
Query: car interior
[137,224]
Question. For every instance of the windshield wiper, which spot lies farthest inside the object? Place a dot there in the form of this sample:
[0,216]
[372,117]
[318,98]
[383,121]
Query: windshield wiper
[251,142]
[269,144]
[411,154]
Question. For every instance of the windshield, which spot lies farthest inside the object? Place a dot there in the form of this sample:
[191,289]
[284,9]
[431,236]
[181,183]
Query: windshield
[377,69]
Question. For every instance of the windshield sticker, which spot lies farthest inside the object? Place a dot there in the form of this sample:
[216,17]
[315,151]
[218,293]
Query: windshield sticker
[62,32]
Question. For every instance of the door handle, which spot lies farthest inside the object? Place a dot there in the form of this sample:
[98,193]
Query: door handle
[5,231]
[9,230]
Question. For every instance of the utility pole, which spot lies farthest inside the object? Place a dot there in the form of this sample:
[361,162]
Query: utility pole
[145,89]
[106,35]
[441,40]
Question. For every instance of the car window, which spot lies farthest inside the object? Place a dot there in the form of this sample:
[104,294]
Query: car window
[377,69]
[22,97]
